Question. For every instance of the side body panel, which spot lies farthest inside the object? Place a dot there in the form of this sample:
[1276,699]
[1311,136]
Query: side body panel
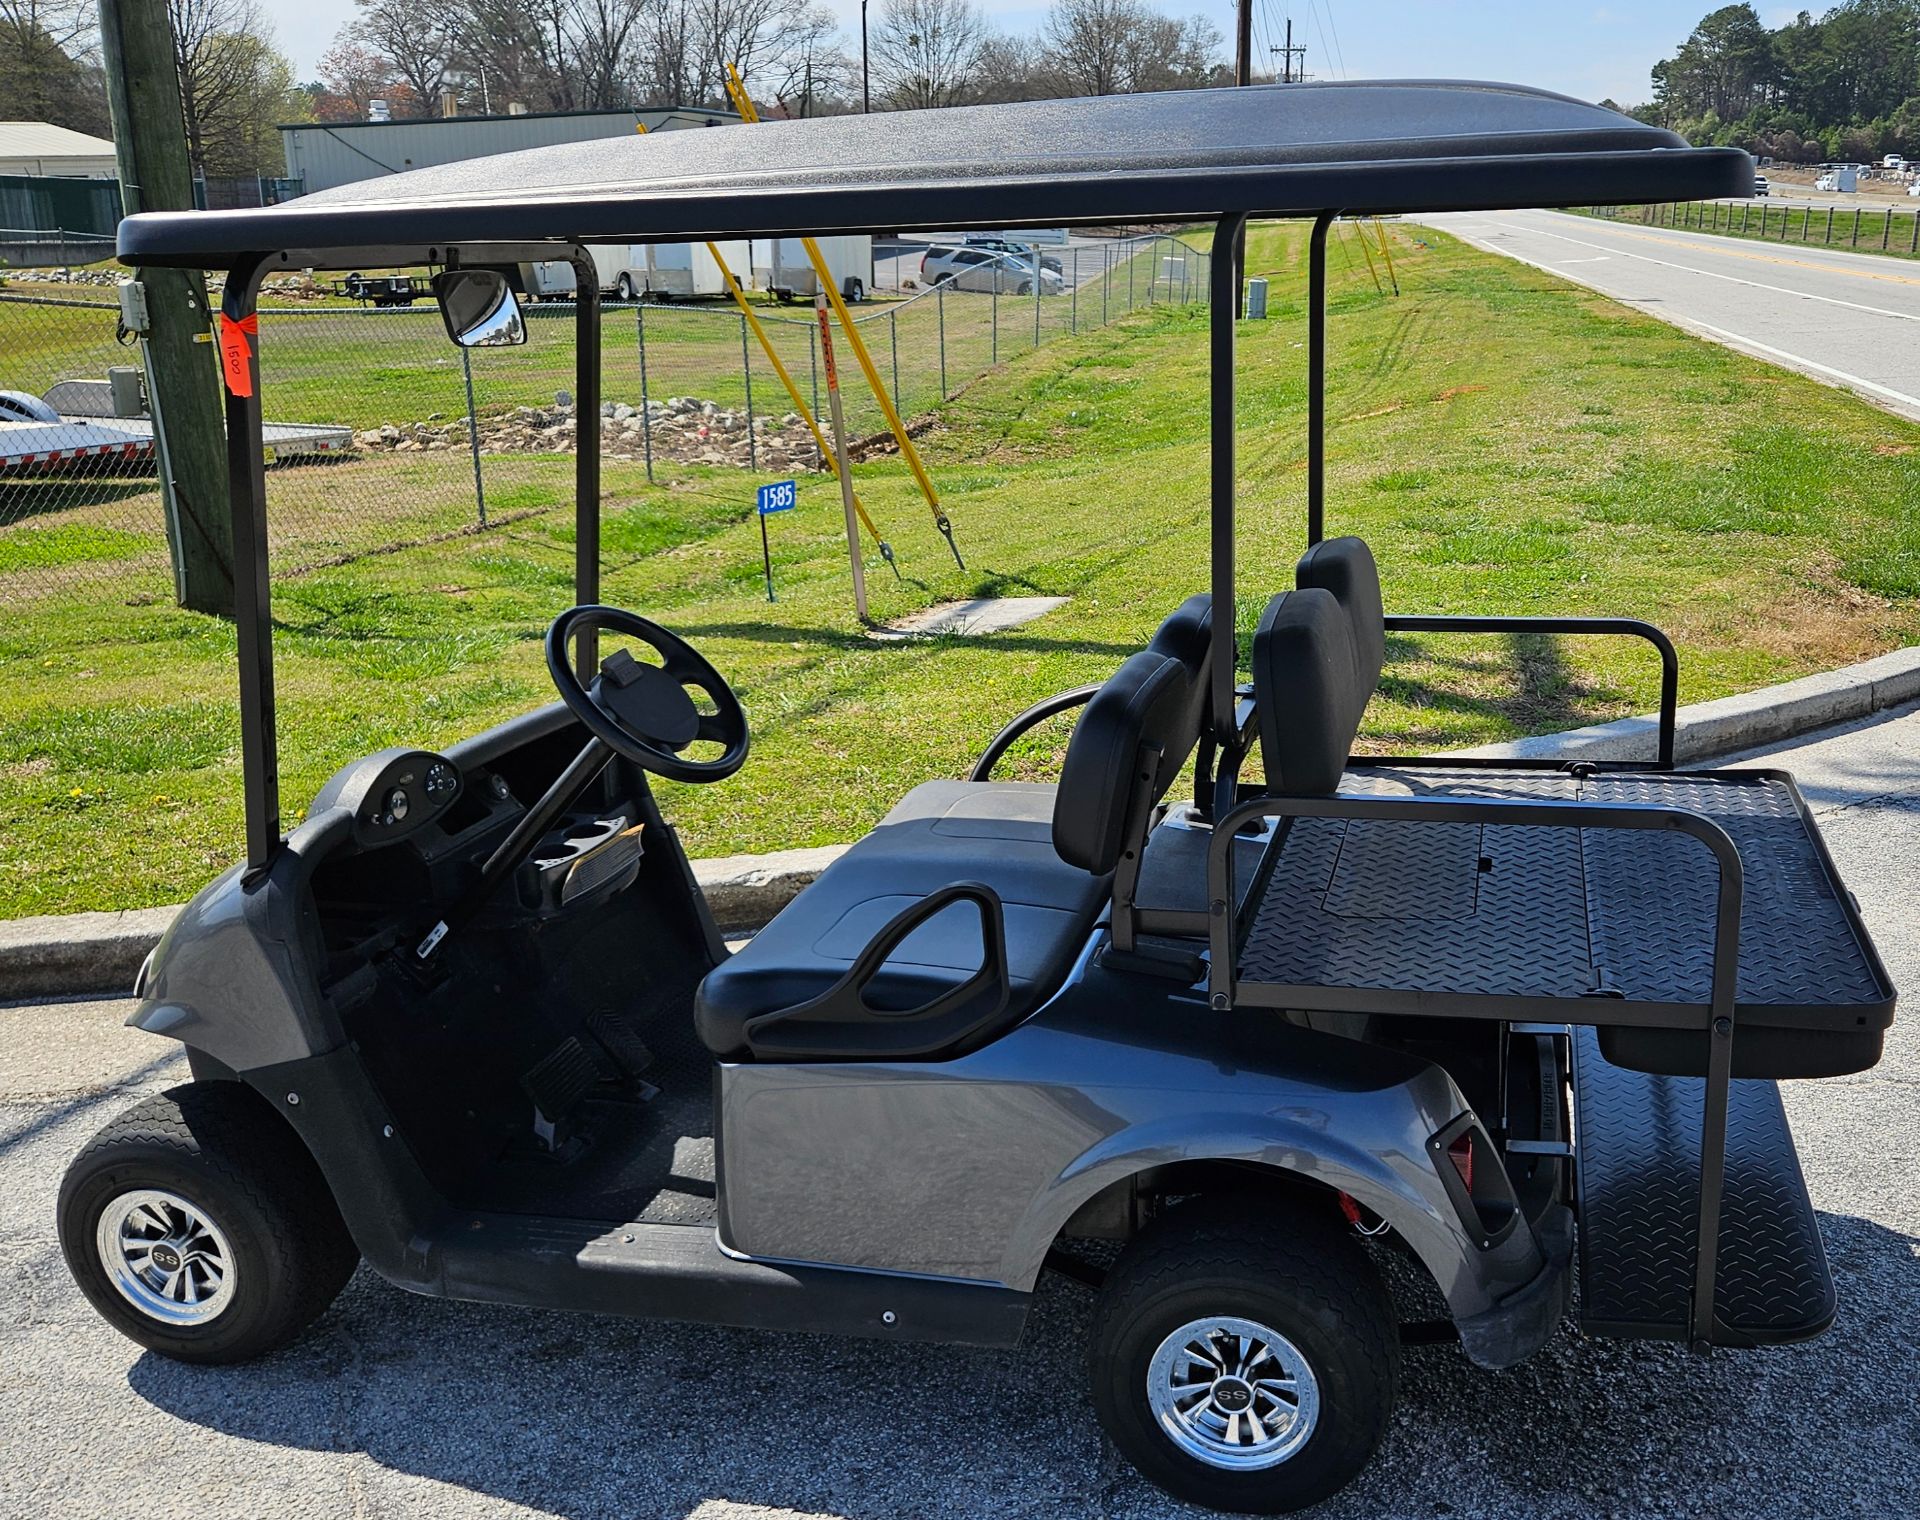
[969,1168]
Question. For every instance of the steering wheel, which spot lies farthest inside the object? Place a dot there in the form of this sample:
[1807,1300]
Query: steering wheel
[643,711]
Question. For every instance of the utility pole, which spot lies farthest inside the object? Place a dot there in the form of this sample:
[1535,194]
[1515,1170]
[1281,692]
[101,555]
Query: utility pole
[150,147]
[1288,54]
[866,93]
[1242,75]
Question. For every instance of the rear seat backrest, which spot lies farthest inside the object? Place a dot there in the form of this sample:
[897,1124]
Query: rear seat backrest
[1187,636]
[1345,567]
[1307,692]
[1143,702]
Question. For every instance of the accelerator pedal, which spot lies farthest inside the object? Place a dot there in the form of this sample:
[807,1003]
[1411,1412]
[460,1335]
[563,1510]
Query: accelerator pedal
[1638,1173]
[624,1049]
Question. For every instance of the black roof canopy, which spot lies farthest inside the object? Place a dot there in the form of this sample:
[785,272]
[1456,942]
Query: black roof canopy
[1385,146]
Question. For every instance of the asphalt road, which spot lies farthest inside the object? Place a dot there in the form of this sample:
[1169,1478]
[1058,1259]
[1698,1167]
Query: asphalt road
[1848,319]
[401,1406]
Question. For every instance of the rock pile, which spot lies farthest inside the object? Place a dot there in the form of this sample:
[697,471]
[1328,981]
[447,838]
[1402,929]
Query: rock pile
[684,429]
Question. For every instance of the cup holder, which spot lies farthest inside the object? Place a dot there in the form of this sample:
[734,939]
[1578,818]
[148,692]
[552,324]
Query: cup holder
[588,858]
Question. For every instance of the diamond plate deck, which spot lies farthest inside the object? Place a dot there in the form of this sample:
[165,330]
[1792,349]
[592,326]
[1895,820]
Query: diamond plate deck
[1388,907]
[1638,1143]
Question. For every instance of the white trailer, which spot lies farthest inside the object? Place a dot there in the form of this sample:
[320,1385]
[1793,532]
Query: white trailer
[781,265]
[78,421]
[681,271]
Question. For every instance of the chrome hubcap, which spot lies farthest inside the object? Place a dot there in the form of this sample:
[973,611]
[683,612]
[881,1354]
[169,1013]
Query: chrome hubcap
[1233,1393]
[165,1257]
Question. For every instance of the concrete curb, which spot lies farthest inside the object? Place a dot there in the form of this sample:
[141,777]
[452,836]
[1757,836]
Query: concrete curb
[77,953]
[73,953]
[1728,725]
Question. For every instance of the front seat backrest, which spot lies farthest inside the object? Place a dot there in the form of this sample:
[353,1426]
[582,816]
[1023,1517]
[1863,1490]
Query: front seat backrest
[1345,567]
[1187,636]
[1306,692]
[1142,703]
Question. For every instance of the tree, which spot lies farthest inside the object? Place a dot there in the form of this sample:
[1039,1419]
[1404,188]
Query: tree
[815,75]
[1726,66]
[234,87]
[1118,47]
[927,52]
[1011,68]
[415,43]
[352,76]
[49,68]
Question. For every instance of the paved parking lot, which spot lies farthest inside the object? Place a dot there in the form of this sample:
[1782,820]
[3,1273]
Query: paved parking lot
[395,1405]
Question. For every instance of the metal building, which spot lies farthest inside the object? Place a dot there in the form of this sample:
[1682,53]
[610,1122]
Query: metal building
[325,154]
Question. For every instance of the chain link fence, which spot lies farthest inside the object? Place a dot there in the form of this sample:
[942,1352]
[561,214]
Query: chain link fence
[381,434]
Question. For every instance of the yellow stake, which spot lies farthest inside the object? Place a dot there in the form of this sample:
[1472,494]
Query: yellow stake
[1386,252]
[743,103]
[793,391]
[1361,234]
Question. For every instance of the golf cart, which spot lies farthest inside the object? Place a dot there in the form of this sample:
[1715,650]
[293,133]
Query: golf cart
[1241,1009]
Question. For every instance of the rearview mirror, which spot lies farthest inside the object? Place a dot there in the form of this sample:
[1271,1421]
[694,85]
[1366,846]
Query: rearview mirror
[479,308]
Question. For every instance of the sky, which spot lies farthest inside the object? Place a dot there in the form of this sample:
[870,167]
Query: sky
[1592,51]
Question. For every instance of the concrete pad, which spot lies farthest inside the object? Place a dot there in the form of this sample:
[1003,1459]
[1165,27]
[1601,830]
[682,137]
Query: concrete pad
[982,614]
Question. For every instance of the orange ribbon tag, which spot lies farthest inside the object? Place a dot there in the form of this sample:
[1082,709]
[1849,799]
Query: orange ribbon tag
[236,354]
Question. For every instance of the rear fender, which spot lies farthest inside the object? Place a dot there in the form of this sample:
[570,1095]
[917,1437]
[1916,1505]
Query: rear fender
[1388,1168]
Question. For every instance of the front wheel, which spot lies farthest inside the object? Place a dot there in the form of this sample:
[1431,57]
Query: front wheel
[198,1225]
[1245,1356]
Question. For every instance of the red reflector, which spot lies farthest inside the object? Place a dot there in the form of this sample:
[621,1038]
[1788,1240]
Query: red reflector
[1351,1209]
[1460,1153]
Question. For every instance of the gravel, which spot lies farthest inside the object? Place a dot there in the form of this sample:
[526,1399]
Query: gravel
[395,1405]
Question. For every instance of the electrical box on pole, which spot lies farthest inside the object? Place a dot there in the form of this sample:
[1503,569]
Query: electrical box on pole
[150,143]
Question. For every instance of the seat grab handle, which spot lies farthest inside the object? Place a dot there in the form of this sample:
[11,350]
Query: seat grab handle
[840,1024]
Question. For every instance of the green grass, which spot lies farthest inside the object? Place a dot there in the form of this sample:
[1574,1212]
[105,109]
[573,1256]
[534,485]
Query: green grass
[1506,441]
[1861,228]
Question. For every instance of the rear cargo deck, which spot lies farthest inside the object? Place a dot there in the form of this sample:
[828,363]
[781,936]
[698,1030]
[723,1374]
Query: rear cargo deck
[1521,920]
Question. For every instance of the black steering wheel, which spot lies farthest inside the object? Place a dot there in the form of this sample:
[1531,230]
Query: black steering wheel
[643,711]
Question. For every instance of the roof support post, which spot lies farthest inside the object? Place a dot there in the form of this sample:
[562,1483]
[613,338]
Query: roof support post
[252,609]
[1224,280]
[1317,377]
[586,452]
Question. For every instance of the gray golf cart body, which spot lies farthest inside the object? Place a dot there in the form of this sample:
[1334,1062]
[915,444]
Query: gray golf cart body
[1086,998]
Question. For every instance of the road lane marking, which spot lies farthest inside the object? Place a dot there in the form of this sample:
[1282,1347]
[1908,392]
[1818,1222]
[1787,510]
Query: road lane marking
[1791,360]
[1714,274]
[1698,242]
[1799,361]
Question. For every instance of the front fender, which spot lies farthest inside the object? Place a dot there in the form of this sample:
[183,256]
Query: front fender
[235,975]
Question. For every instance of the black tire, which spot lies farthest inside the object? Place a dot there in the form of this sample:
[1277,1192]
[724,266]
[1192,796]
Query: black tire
[221,1149]
[1284,1267]
[623,288]
[855,290]
[1025,288]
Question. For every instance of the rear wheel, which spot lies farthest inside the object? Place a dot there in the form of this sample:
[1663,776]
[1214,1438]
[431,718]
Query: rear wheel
[198,1225]
[623,287]
[1245,1356]
[855,289]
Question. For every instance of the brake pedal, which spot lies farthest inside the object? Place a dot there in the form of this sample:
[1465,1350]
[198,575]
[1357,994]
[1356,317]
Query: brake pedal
[556,1084]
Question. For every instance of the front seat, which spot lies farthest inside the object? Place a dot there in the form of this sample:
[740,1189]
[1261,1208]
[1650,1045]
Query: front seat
[1045,855]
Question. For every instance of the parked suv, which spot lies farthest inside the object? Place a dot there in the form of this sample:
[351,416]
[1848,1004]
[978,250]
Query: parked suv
[984,269]
[1022,251]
